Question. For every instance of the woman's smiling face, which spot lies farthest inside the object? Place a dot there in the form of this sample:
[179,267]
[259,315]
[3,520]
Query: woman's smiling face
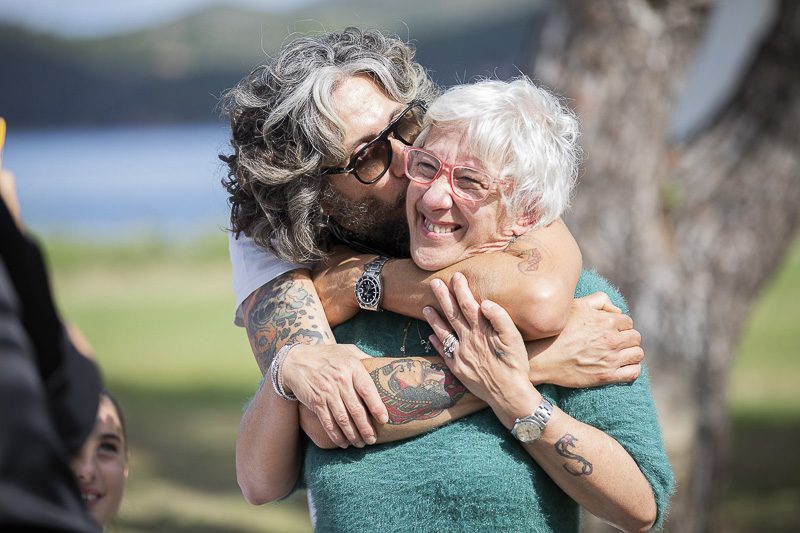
[446,229]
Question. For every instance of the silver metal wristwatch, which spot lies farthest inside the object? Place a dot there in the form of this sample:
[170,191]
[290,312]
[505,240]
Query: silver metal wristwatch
[529,429]
[369,287]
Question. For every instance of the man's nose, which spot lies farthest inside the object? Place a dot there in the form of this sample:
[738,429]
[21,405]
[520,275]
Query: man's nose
[396,167]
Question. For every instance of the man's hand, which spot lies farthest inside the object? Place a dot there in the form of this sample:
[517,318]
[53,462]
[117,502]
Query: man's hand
[335,279]
[597,347]
[331,381]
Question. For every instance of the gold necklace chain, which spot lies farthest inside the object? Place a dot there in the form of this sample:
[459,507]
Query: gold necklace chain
[425,343]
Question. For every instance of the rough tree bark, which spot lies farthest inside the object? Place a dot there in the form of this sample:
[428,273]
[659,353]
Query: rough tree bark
[690,233]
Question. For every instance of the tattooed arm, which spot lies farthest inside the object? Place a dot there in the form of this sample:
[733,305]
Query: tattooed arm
[534,278]
[284,311]
[329,378]
[420,393]
[604,343]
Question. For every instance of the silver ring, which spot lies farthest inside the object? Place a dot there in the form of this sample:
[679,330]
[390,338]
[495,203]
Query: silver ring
[450,344]
[448,351]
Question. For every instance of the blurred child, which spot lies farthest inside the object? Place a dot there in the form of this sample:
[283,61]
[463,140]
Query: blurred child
[101,465]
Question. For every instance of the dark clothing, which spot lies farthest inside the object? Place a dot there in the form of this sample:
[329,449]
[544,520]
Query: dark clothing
[339,235]
[48,397]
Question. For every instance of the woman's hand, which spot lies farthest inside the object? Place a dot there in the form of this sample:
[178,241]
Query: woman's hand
[333,383]
[489,357]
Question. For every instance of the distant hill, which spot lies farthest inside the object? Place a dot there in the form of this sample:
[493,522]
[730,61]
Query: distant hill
[176,73]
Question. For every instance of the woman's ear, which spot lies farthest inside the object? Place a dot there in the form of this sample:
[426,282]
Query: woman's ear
[523,224]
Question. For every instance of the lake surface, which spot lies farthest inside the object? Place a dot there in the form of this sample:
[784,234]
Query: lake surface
[118,183]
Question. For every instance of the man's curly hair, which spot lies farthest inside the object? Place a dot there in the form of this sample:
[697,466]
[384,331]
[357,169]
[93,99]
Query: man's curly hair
[285,132]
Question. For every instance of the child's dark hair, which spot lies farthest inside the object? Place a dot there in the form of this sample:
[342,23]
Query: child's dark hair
[118,408]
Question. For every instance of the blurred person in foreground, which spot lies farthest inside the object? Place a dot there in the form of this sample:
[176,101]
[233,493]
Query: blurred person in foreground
[507,156]
[101,465]
[49,391]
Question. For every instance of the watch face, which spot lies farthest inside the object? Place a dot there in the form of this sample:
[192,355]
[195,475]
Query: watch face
[527,431]
[368,292]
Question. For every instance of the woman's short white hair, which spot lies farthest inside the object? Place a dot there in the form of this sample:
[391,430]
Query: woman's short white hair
[524,134]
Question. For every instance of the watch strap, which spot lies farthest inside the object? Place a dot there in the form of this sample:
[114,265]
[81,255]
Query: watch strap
[539,417]
[376,265]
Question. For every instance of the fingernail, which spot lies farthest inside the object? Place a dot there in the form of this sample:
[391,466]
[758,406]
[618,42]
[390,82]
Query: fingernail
[426,310]
[435,283]
[371,439]
[359,444]
[383,418]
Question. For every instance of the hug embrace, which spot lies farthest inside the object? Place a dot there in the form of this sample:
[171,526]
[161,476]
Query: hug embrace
[436,358]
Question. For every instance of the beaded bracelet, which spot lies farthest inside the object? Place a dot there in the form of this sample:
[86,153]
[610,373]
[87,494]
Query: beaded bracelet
[275,373]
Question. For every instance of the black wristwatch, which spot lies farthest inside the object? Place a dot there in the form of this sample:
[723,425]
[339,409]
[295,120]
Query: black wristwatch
[368,288]
[529,429]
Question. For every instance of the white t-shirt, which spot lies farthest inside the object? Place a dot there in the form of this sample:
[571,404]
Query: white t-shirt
[252,266]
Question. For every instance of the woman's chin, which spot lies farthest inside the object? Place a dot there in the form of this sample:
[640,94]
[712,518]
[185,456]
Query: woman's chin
[431,260]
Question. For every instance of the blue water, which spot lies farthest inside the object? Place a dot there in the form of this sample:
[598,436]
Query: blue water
[118,183]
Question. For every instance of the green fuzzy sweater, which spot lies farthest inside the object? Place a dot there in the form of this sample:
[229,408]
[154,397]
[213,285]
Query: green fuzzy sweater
[472,475]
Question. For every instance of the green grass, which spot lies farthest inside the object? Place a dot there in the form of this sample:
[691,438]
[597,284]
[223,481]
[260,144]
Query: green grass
[764,487]
[764,380]
[159,317]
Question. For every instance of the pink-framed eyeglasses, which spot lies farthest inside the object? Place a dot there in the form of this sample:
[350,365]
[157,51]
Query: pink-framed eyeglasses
[467,183]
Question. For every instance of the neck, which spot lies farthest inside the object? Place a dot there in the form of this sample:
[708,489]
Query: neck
[361,244]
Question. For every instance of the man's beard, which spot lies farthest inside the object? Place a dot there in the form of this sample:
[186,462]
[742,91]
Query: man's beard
[380,225]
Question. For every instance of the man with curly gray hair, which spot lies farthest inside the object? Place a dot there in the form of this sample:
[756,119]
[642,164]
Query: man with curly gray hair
[287,133]
[318,136]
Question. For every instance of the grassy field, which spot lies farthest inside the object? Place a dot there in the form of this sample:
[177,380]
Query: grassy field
[160,319]
[764,489]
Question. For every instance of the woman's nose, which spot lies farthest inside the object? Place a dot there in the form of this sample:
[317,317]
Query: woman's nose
[439,194]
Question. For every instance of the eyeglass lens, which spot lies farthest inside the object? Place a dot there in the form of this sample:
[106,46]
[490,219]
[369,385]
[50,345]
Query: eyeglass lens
[468,183]
[373,160]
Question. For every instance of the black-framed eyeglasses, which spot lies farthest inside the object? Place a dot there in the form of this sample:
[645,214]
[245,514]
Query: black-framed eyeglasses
[371,162]
[468,183]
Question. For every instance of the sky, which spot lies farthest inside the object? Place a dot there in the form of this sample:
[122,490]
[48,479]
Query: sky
[94,18]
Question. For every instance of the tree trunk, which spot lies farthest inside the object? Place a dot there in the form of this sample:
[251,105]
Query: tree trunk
[689,232]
